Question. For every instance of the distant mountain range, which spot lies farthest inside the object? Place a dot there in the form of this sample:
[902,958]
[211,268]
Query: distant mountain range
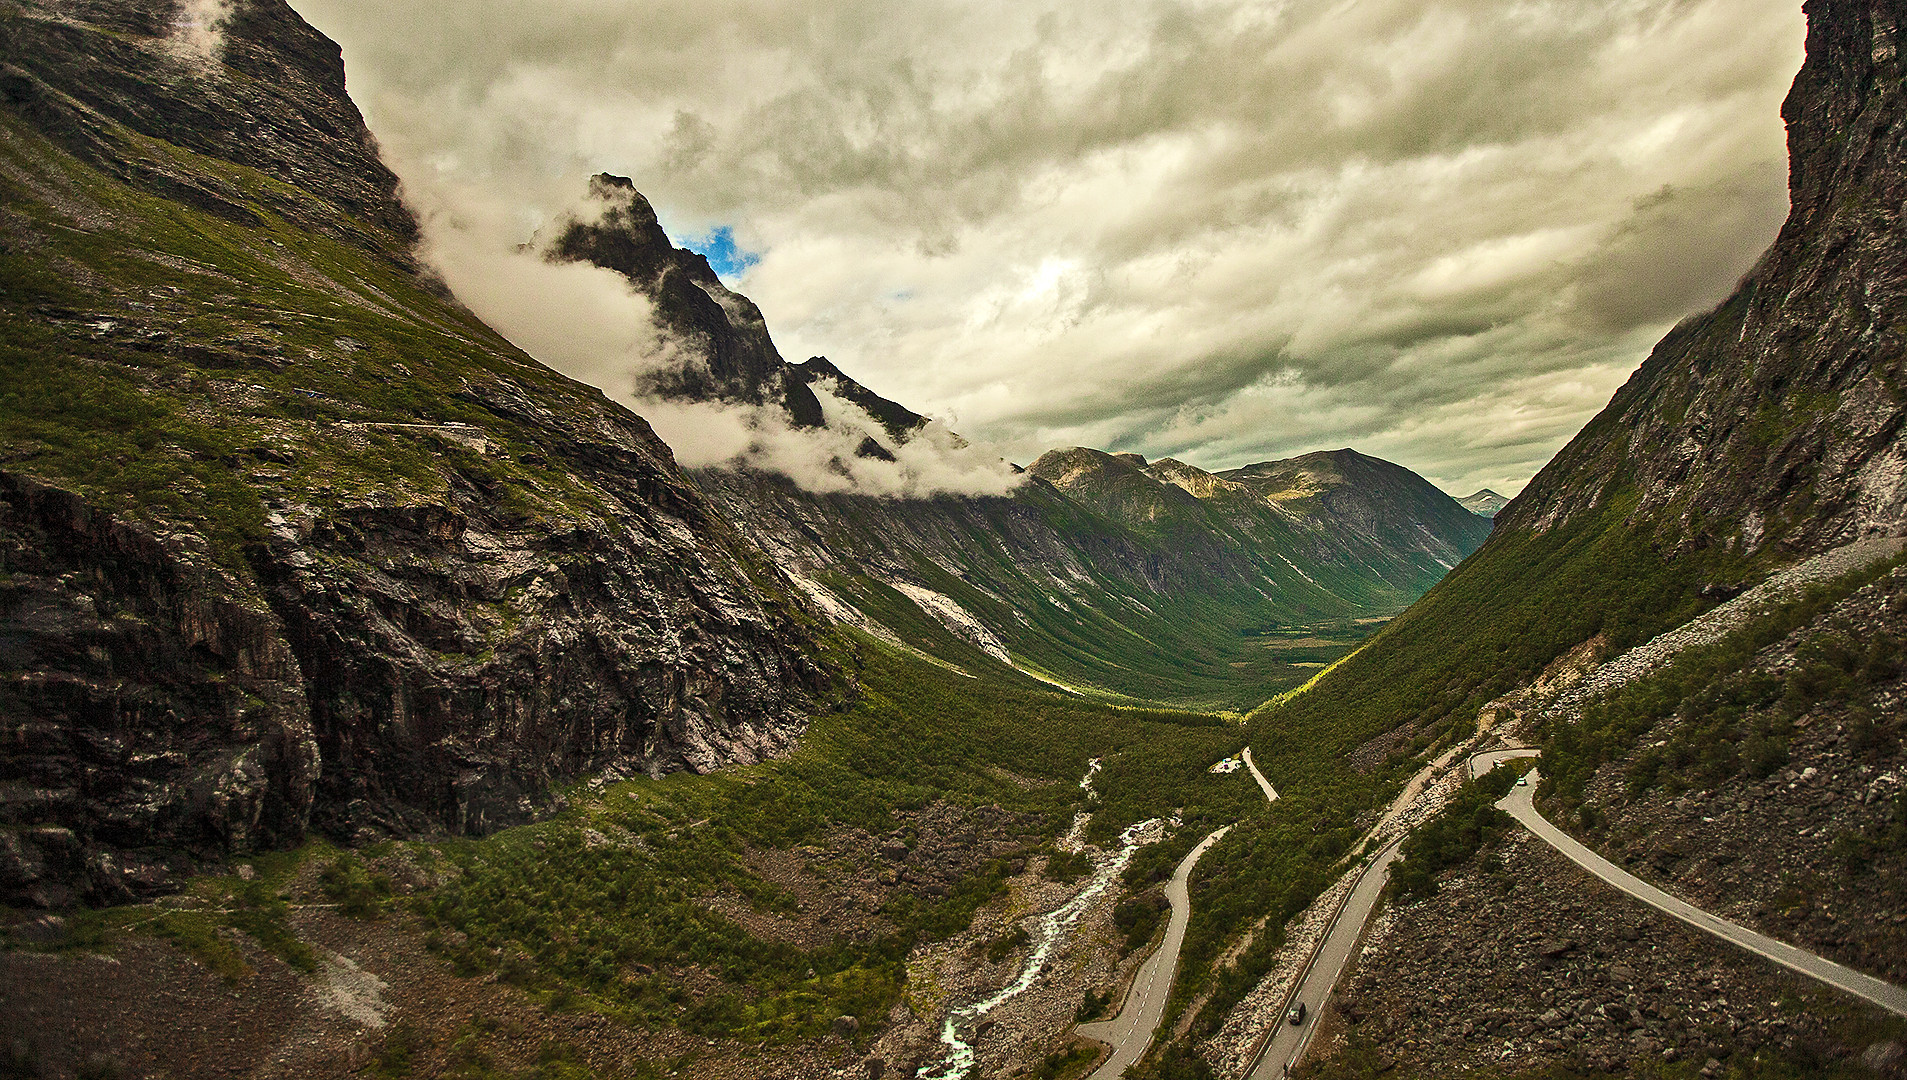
[1484,503]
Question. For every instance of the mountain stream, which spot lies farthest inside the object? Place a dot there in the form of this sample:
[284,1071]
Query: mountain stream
[1046,931]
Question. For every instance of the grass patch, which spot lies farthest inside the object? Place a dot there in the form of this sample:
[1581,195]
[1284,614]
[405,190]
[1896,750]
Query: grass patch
[359,892]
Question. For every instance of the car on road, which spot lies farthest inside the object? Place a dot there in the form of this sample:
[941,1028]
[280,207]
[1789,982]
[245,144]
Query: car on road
[1295,1014]
[1523,781]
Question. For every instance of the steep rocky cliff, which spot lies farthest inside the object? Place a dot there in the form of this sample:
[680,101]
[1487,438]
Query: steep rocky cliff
[1774,421]
[288,539]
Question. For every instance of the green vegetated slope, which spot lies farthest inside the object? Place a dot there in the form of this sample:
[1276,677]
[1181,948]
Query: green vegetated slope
[1053,586]
[627,902]
[1219,645]
[154,356]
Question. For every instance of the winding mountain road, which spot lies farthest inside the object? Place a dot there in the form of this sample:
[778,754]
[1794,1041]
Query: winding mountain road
[1519,805]
[1130,1032]
[1271,793]
[1288,1041]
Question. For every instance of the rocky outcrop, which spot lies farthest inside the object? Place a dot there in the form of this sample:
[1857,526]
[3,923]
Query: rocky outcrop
[289,540]
[1775,421]
[719,336]
[152,715]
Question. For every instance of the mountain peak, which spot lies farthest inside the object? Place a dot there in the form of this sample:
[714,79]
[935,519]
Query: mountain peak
[1484,503]
[728,353]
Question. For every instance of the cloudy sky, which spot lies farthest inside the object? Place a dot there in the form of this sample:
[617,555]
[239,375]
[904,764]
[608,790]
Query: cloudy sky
[1439,231]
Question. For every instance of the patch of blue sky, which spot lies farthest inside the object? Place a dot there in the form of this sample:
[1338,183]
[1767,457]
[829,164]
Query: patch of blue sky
[728,259]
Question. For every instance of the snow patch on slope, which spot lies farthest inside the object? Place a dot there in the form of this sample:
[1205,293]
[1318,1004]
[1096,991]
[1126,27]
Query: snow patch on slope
[955,618]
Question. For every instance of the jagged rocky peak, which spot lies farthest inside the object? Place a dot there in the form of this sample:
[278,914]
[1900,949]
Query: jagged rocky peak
[1195,481]
[729,355]
[1484,503]
[1776,418]
[899,421]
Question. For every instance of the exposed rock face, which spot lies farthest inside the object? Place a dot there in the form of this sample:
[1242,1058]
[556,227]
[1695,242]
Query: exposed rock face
[147,706]
[393,578]
[262,90]
[1776,419]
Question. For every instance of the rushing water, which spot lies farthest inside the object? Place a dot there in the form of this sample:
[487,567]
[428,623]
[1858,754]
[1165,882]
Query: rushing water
[1047,929]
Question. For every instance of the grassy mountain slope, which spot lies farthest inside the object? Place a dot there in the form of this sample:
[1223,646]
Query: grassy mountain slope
[1756,434]
[1764,431]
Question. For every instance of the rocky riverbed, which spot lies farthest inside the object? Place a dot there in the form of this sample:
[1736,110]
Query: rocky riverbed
[1021,1030]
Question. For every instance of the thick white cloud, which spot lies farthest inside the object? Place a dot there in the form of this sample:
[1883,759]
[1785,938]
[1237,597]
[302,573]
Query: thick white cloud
[1442,231]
